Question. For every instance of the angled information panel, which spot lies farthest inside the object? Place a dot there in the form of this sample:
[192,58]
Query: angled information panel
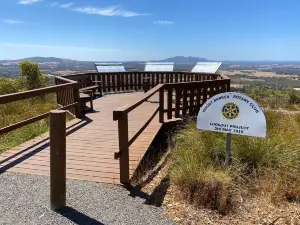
[206,67]
[109,67]
[159,66]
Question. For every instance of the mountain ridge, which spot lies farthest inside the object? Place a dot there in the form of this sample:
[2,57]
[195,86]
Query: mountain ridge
[176,59]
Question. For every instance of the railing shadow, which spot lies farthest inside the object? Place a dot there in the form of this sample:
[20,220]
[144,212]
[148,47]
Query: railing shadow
[33,149]
[77,217]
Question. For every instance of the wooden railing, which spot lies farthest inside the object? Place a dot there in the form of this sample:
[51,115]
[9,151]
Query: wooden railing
[185,99]
[67,90]
[85,79]
[176,100]
[137,81]
[121,115]
[68,96]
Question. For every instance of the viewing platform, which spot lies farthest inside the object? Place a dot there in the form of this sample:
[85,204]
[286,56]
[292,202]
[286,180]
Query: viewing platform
[107,144]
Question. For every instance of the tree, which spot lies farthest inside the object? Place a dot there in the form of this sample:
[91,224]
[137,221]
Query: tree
[31,75]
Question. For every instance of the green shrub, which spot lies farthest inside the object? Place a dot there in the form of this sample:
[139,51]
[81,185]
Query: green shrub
[294,97]
[31,75]
[8,85]
[263,166]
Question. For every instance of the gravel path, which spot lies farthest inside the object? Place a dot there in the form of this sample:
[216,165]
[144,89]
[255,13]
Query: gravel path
[24,199]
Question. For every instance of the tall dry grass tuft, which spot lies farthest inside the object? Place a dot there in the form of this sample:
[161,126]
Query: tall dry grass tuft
[197,161]
[267,167]
[17,111]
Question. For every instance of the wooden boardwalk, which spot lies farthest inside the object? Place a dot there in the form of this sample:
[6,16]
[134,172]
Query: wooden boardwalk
[91,142]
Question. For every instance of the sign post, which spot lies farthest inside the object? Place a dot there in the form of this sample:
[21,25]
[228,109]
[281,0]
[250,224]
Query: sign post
[228,147]
[232,113]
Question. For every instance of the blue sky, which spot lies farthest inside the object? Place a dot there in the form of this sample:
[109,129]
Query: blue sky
[147,30]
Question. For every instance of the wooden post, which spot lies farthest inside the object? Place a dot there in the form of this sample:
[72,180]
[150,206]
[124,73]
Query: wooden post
[146,83]
[124,149]
[76,98]
[57,159]
[228,146]
[161,104]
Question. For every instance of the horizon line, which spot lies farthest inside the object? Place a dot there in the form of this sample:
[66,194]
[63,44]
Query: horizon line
[211,60]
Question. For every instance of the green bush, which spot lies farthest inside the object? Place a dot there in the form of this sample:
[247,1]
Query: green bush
[8,85]
[31,75]
[294,97]
[263,166]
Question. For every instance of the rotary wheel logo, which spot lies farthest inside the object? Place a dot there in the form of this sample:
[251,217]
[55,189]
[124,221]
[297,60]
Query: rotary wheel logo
[230,111]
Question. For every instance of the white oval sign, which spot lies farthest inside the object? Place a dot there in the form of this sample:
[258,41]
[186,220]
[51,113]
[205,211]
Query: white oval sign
[234,113]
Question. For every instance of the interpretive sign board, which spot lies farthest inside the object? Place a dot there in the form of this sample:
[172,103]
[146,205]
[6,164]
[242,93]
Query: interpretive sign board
[206,67]
[232,113]
[109,67]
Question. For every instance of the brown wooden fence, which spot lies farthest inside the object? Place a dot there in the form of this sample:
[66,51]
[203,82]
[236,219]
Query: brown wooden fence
[68,94]
[186,98]
[137,81]
[86,79]
[176,100]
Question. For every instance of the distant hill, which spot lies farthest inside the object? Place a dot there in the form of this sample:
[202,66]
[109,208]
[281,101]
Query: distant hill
[176,59]
[41,60]
[183,59]
[52,65]
[49,59]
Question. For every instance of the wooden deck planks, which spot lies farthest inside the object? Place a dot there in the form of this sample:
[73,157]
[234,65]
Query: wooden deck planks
[91,142]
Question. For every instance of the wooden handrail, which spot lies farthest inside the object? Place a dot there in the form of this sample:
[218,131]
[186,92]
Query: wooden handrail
[67,85]
[128,108]
[65,79]
[191,82]
[188,97]
[138,80]
[130,142]
[32,120]
[121,115]
[33,93]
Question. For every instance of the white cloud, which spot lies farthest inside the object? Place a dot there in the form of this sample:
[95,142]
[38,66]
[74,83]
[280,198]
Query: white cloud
[12,21]
[163,22]
[108,11]
[26,2]
[64,6]
[53,4]
[57,47]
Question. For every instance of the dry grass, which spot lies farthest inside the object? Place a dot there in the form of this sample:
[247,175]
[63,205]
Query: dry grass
[267,167]
[258,74]
[16,112]
[275,99]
